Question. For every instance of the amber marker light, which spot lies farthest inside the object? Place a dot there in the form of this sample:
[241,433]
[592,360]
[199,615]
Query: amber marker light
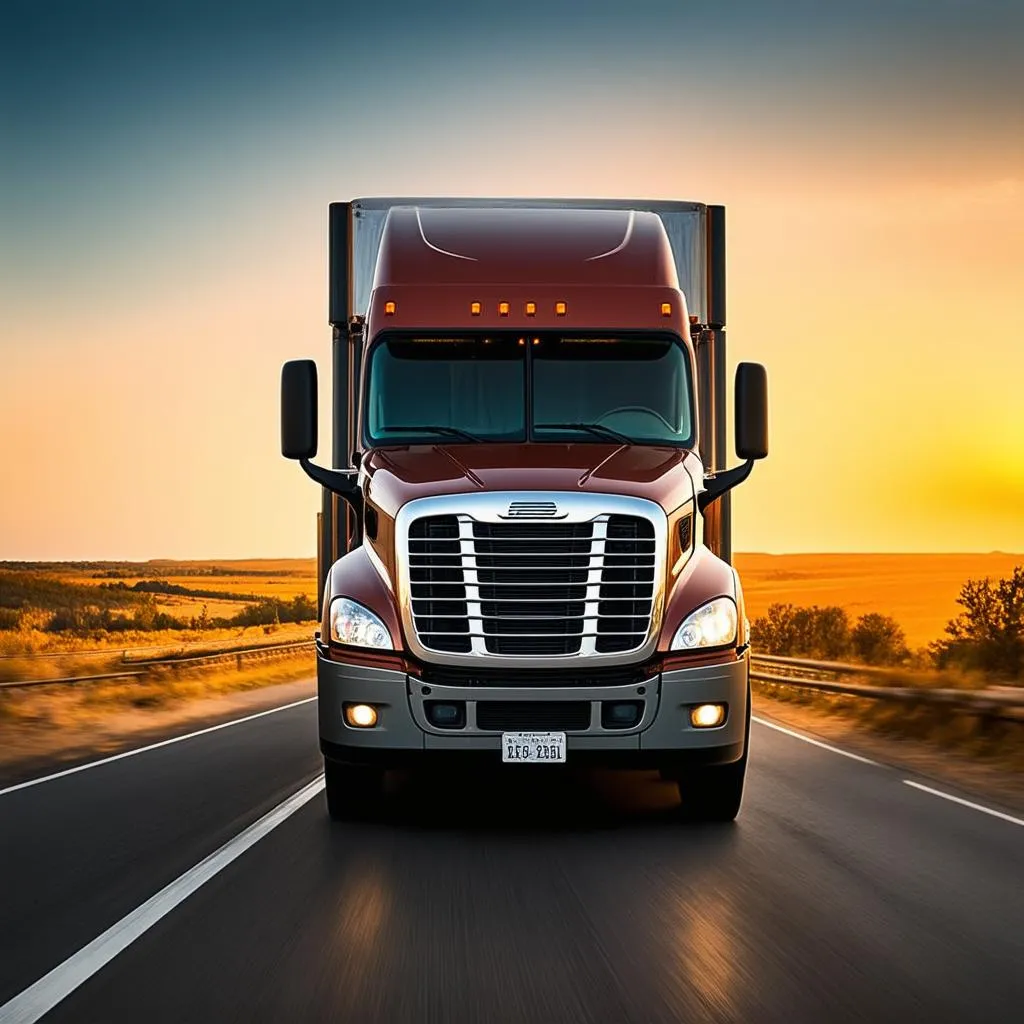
[389,309]
[707,716]
[666,309]
[503,308]
[561,309]
[474,309]
[531,309]
[361,716]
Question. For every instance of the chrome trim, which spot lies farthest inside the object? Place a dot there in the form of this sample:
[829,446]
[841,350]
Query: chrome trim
[488,508]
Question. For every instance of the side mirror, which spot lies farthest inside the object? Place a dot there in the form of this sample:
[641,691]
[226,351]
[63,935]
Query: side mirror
[298,409]
[751,404]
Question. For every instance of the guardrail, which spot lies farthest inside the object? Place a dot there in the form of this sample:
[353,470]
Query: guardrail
[170,650]
[806,674]
[799,673]
[239,656]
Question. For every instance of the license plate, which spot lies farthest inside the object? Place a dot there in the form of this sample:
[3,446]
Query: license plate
[533,747]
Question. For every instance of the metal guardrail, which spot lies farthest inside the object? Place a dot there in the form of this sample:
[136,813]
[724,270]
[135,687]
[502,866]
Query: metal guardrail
[799,673]
[239,656]
[23,683]
[170,650]
[806,674]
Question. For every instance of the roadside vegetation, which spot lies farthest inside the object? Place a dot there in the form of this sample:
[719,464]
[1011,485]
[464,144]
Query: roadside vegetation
[66,606]
[983,646]
[985,641]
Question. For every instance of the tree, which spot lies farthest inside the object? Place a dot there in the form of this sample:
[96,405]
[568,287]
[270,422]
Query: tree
[809,632]
[989,633]
[879,640]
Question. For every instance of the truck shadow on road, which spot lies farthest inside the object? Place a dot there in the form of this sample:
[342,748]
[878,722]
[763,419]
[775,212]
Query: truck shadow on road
[536,801]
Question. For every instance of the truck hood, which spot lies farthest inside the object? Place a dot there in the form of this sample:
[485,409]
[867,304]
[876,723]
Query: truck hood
[393,476]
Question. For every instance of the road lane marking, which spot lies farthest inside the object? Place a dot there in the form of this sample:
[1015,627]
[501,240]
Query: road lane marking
[816,743]
[152,746]
[966,803]
[41,997]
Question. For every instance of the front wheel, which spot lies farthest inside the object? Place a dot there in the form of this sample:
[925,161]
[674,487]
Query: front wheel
[352,791]
[712,793]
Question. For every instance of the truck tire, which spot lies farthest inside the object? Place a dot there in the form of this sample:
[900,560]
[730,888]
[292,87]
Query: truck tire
[712,794]
[352,791]
[715,792]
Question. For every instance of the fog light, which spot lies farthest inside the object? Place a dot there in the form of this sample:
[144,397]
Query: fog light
[707,716]
[621,714]
[361,716]
[446,716]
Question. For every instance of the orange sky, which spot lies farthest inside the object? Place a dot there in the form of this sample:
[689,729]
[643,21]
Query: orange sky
[875,266]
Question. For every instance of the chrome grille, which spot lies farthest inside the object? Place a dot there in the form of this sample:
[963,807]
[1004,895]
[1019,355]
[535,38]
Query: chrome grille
[532,589]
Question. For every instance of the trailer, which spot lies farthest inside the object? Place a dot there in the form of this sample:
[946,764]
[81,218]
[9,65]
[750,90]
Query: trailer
[524,544]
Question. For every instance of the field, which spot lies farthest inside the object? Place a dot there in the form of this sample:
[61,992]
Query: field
[919,591]
[87,605]
[255,578]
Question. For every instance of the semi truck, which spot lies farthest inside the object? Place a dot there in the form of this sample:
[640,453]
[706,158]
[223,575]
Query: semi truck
[524,542]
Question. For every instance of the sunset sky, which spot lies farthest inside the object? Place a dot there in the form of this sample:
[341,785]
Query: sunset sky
[166,170]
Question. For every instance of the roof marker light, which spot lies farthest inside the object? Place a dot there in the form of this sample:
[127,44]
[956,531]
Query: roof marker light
[561,309]
[503,309]
[531,309]
[389,309]
[474,308]
[666,309]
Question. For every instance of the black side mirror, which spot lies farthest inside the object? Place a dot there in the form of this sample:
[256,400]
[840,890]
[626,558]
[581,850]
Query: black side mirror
[298,409]
[751,411]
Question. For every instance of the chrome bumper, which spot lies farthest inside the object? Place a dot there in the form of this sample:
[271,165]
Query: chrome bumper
[403,727]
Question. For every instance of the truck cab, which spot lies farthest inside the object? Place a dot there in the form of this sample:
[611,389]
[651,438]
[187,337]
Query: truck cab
[524,539]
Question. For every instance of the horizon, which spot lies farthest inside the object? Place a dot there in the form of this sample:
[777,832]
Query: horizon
[157,560]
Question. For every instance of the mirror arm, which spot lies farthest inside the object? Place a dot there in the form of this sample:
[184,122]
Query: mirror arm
[339,482]
[715,486]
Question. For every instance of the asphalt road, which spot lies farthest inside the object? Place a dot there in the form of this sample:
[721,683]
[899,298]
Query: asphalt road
[840,894]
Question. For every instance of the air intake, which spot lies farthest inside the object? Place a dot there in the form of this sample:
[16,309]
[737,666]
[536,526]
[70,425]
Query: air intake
[532,510]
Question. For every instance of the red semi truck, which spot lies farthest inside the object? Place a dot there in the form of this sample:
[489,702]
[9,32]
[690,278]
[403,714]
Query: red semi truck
[524,544]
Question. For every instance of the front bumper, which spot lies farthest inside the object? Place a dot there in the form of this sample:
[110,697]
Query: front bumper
[404,734]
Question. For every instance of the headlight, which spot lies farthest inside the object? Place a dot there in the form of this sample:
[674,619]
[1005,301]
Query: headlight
[357,626]
[711,625]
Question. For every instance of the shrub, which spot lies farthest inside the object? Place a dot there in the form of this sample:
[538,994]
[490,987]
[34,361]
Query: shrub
[879,640]
[812,632]
[989,633]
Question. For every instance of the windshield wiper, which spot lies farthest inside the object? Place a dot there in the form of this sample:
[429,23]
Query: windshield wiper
[432,428]
[592,428]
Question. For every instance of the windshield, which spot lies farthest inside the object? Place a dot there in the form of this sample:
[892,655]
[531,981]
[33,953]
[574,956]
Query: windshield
[616,389]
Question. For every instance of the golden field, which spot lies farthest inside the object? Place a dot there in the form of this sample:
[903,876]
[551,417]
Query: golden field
[84,606]
[919,591]
[263,577]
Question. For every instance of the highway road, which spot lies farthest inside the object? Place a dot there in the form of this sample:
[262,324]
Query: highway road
[201,880]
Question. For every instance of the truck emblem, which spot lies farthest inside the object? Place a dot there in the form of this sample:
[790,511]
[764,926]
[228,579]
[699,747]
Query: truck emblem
[533,510]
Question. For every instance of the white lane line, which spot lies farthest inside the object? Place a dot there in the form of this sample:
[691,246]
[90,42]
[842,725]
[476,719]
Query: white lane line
[966,803]
[152,746]
[816,743]
[38,999]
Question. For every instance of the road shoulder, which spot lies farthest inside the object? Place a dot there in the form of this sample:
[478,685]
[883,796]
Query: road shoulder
[957,772]
[26,752]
